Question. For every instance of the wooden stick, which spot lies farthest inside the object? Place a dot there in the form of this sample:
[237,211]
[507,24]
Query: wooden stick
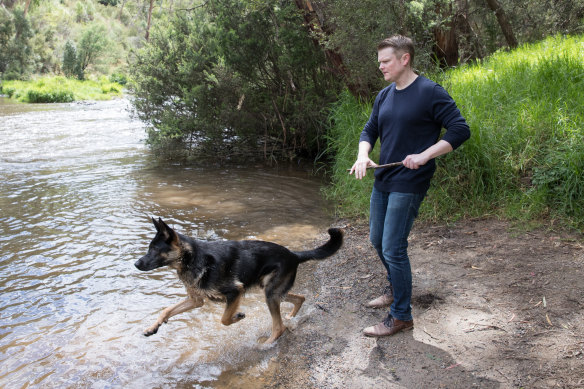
[383,166]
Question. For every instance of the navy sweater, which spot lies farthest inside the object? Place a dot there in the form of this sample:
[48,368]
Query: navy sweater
[408,121]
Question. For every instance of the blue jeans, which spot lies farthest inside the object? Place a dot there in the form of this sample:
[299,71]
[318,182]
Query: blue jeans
[391,218]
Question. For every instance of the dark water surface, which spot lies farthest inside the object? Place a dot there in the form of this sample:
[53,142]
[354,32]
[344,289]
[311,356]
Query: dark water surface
[76,188]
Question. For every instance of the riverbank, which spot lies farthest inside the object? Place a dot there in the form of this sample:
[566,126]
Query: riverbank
[492,308]
[59,89]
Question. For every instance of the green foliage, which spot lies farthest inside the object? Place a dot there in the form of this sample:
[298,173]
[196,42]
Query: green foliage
[93,42]
[534,20]
[111,3]
[252,81]
[171,87]
[70,64]
[55,22]
[60,90]
[15,34]
[525,158]
[119,78]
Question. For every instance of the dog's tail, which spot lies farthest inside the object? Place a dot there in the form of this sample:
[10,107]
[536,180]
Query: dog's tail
[326,250]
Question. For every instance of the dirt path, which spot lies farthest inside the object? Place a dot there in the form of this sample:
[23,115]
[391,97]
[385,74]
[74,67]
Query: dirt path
[492,309]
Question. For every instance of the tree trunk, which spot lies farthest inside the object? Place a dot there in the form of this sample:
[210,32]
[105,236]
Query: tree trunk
[121,10]
[149,18]
[334,57]
[26,7]
[463,25]
[446,42]
[503,22]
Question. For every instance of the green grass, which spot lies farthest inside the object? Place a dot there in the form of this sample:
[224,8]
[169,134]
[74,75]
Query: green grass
[525,158]
[60,90]
[347,119]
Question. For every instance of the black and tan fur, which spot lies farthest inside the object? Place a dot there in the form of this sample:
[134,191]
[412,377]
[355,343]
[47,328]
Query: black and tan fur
[224,270]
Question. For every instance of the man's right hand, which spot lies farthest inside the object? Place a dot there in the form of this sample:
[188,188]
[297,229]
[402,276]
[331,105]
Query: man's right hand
[360,167]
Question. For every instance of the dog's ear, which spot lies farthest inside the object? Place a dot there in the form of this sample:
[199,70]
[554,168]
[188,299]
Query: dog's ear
[171,235]
[156,225]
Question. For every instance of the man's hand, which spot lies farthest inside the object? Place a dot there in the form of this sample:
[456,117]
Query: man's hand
[363,161]
[360,167]
[414,161]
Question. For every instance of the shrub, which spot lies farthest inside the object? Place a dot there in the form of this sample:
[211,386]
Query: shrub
[49,96]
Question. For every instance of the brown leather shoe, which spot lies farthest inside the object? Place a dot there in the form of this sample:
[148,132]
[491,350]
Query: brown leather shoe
[385,300]
[389,326]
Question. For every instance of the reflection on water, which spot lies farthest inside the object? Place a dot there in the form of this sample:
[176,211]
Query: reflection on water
[76,189]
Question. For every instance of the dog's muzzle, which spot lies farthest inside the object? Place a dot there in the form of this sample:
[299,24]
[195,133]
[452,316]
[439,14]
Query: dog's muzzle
[141,264]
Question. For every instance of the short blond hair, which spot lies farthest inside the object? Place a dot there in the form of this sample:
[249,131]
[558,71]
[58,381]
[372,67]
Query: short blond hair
[399,43]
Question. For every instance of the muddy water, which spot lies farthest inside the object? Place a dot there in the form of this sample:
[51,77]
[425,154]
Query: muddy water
[76,188]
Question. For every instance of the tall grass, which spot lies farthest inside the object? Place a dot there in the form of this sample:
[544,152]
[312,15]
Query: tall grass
[525,158]
[60,90]
[347,119]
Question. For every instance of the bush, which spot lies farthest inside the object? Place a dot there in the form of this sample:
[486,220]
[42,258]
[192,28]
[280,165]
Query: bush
[48,96]
[119,78]
[61,90]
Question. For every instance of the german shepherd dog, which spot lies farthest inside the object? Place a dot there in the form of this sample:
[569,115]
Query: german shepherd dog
[224,270]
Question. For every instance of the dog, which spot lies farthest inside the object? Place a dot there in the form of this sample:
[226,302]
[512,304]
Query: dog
[222,271]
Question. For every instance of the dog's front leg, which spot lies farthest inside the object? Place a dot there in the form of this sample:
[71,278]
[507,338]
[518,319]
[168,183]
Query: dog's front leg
[185,305]
[229,316]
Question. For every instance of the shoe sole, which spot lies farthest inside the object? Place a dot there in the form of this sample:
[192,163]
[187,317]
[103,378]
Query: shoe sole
[378,306]
[381,336]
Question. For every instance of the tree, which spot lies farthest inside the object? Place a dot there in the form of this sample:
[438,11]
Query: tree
[6,35]
[92,44]
[15,35]
[149,19]
[445,34]
[503,22]
[251,80]
[70,62]
[320,33]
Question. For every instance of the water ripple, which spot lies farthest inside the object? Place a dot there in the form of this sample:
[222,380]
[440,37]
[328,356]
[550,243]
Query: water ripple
[78,189]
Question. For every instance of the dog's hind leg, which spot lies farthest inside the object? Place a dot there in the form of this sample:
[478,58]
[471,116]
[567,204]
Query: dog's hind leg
[295,299]
[183,306]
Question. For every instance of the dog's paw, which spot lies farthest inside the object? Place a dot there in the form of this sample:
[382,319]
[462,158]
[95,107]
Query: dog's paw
[150,331]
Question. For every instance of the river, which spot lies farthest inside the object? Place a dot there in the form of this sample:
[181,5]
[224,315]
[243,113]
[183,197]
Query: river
[77,190]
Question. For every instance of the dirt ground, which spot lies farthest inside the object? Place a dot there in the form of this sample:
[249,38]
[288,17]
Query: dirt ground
[493,308]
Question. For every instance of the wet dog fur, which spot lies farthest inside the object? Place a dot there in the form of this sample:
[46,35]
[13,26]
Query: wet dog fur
[224,270]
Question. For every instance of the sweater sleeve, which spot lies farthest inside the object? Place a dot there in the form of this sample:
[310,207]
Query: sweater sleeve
[370,131]
[447,113]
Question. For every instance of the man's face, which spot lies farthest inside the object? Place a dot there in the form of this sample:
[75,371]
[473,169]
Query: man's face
[391,65]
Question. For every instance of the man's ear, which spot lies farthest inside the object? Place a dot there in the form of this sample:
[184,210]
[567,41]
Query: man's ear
[405,59]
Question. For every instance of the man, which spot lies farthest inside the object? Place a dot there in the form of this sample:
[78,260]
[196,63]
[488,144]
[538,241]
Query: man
[407,118]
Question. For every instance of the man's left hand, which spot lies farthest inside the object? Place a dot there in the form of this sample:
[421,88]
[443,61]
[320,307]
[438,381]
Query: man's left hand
[414,161]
